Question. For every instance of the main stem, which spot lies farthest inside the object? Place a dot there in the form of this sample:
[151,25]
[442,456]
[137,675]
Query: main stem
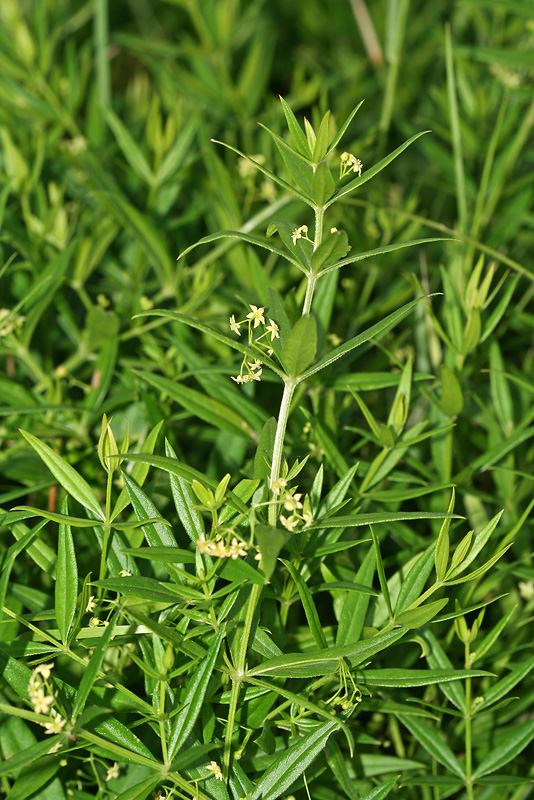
[289,390]
[468,737]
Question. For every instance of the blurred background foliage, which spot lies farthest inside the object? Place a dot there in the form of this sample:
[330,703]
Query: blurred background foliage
[107,173]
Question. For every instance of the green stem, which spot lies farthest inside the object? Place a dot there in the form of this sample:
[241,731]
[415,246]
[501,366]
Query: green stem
[468,731]
[161,713]
[107,524]
[289,390]
[310,288]
[238,676]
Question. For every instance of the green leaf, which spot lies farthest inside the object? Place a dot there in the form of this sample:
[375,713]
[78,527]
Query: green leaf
[417,617]
[198,404]
[357,520]
[157,534]
[479,541]
[322,185]
[173,555]
[149,589]
[310,610]
[381,573]
[333,247]
[452,399]
[432,743]
[322,139]
[264,452]
[66,589]
[316,663]
[92,670]
[399,678]
[299,139]
[33,777]
[193,698]
[300,347]
[285,770]
[72,482]
[354,610]
[370,333]
[139,471]
[506,684]
[341,132]
[441,558]
[508,748]
[129,147]
[270,542]
[244,237]
[381,791]
[370,173]
[389,248]
[438,659]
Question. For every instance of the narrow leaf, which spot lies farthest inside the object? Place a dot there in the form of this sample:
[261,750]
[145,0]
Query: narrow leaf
[66,589]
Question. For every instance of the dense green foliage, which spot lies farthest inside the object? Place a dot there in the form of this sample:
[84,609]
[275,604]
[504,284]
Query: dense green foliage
[316,579]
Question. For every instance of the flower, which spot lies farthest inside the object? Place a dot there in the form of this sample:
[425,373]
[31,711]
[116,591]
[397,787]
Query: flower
[280,483]
[292,502]
[290,523]
[235,326]
[91,603]
[256,315]
[56,726]
[526,589]
[299,233]
[44,670]
[125,573]
[239,379]
[273,329]
[349,163]
[255,376]
[215,768]
[113,772]
[236,549]
[41,703]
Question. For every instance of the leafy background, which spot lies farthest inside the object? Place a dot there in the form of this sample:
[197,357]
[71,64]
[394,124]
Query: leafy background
[108,173]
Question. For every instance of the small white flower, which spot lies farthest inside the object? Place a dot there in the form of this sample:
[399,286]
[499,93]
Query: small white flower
[255,376]
[235,326]
[289,523]
[91,604]
[256,315]
[273,329]
[125,573]
[238,379]
[44,670]
[56,726]
[41,703]
[113,772]
[280,483]
[215,768]
[236,549]
[299,233]
[526,589]
[255,365]
[292,502]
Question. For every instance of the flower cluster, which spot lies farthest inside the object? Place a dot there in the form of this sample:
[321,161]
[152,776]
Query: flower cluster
[252,370]
[300,511]
[219,549]
[300,233]
[349,163]
[42,699]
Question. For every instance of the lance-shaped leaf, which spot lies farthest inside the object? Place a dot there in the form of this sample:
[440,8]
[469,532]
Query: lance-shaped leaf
[66,589]
[309,606]
[244,237]
[508,748]
[291,764]
[363,337]
[390,248]
[428,738]
[341,132]
[357,520]
[478,542]
[399,678]
[299,139]
[370,173]
[324,662]
[300,346]
[72,481]
[92,670]
[193,698]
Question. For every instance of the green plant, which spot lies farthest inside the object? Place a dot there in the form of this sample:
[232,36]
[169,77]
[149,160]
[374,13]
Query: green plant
[205,634]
